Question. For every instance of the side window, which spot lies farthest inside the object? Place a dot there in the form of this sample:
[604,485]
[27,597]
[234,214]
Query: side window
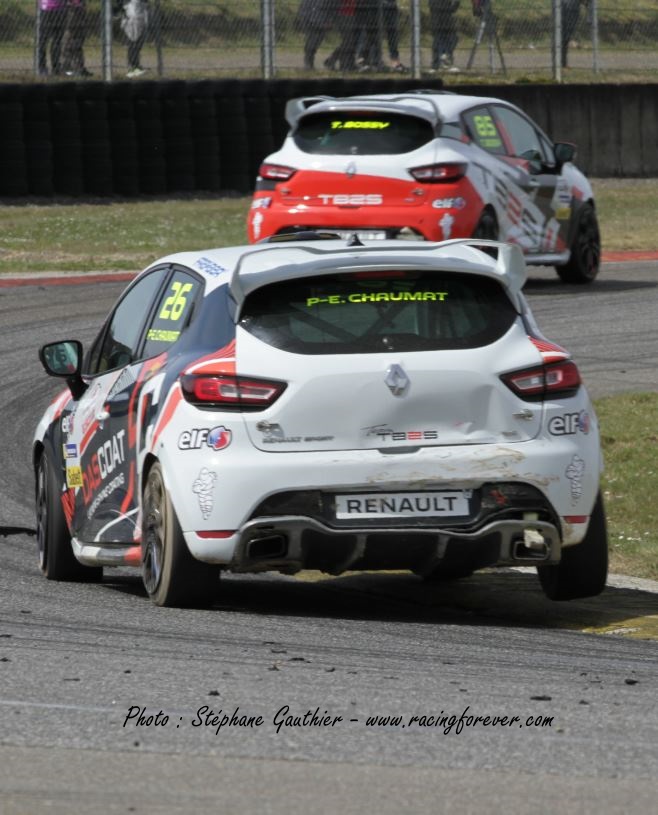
[549,153]
[119,344]
[522,137]
[484,131]
[172,314]
[452,130]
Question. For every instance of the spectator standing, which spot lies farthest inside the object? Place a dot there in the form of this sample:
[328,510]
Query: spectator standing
[371,17]
[315,18]
[74,40]
[343,57]
[444,32]
[391,14]
[134,24]
[52,25]
[570,17]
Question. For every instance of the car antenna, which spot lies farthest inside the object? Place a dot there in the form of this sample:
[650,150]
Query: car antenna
[354,241]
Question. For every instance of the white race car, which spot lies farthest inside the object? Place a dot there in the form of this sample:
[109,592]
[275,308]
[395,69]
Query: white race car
[429,166]
[321,404]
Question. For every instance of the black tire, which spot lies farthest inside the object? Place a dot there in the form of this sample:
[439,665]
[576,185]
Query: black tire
[583,569]
[56,559]
[172,577]
[487,227]
[583,265]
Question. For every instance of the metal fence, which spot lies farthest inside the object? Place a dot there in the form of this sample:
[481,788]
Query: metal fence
[564,40]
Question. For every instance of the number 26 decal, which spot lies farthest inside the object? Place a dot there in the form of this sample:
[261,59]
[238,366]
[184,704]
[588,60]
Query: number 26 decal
[173,306]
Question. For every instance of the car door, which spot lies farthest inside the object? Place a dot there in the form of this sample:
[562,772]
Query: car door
[535,175]
[97,434]
[507,184]
[134,397]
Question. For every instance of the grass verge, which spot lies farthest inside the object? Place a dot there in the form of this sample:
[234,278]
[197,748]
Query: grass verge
[629,435]
[127,235]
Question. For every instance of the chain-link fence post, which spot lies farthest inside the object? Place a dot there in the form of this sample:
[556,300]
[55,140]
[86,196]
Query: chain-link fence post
[106,39]
[594,20]
[37,36]
[415,39]
[557,40]
[157,38]
[267,38]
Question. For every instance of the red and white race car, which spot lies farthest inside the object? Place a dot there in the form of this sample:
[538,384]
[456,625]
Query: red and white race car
[429,165]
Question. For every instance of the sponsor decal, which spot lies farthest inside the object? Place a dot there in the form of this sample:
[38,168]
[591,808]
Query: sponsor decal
[359,125]
[162,335]
[351,200]
[256,223]
[563,192]
[514,207]
[562,200]
[257,203]
[67,424]
[108,489]
[70,450]
[214,269]
[404,504]
[272,438]
[449,203]
[93,400]
[574,473]
[203,488]
[570,424]
[385,433]
[73,476]
[273,434]
[218,438]
[378,297]
[446,225]
[103,463]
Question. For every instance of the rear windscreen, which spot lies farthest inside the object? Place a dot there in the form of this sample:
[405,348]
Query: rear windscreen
[378,312]
[361,134]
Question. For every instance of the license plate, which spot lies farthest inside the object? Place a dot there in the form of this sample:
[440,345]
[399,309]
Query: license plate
[362,234]
[382,505]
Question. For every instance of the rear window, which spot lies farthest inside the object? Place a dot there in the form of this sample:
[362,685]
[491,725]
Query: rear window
[390,311]
[361,134]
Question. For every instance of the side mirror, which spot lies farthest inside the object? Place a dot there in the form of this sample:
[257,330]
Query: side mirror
[564,152]
[64,359]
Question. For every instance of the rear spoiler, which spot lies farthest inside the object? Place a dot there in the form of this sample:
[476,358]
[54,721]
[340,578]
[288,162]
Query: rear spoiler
[269,261]
[296,107]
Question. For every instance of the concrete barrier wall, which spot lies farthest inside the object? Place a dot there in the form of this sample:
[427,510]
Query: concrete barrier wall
[136,138]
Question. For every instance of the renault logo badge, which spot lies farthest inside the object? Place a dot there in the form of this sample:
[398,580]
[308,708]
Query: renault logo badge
[397,380]
[350,170]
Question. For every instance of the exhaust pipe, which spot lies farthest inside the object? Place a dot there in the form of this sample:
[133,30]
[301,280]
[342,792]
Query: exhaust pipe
[533,546]
[269,547]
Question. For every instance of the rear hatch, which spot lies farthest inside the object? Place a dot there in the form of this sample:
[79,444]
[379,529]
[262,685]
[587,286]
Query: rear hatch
[385,360]
[360,159]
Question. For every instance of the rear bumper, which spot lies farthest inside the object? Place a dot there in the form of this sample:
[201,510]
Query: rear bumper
[291,543]
[430,223]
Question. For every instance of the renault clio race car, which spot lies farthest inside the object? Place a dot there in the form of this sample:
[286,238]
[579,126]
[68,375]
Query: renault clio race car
[429,165]
[320,404]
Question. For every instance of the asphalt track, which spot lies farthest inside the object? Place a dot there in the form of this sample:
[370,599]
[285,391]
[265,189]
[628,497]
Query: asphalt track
[75,659]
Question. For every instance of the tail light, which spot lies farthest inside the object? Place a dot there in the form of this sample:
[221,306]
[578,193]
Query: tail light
[231,392]
[276,172]
[439,173]
[558,379]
